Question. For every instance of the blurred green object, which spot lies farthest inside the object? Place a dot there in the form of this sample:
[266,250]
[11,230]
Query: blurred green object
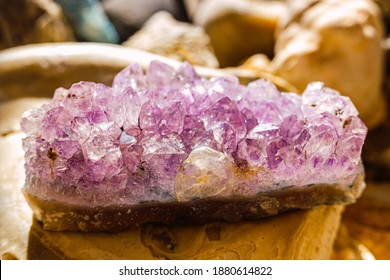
[89,21]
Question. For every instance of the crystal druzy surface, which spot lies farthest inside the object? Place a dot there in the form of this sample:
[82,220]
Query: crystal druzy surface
[168,135]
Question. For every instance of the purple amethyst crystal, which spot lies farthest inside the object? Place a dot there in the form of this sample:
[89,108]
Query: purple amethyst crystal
[168,135]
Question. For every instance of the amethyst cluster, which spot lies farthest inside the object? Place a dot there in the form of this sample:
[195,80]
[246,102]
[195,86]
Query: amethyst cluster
[168,135]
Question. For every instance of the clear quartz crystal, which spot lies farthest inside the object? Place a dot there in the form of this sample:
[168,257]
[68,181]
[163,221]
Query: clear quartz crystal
[168,135]
[205,173]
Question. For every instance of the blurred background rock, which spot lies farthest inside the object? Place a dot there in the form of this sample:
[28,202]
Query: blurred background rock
[164,35]
[385,7]
[32,21]
[240,28]
[128,16]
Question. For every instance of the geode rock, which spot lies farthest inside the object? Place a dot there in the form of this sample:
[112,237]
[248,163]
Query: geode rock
[164,35]
[172,147]
[32,21]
